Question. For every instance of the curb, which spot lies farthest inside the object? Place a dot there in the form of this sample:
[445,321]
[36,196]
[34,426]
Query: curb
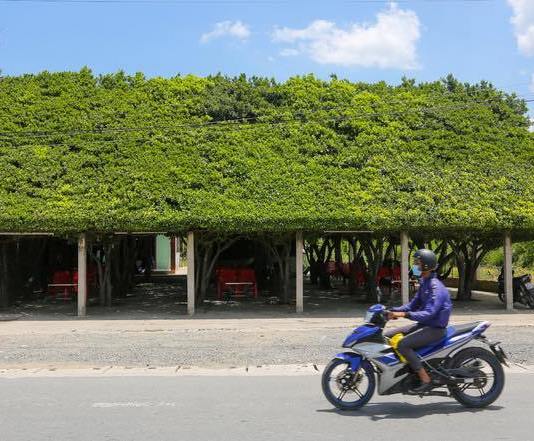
[187,371]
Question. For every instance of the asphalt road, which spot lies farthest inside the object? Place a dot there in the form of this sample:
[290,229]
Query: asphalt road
[256,408]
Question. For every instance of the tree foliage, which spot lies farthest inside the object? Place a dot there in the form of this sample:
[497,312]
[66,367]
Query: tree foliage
[80,152]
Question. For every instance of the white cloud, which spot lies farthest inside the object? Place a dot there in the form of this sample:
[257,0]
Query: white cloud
[235,29]
[289,52]
[523,21]
[390,42]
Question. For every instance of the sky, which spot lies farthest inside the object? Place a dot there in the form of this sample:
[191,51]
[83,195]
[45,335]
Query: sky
[361,40]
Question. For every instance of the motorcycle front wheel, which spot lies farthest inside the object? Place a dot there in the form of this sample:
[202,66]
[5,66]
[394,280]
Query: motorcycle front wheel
[345,389]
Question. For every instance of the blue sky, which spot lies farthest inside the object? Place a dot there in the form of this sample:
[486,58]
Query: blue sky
[359,40]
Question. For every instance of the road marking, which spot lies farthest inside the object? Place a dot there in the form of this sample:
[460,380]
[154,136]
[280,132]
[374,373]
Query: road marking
[133,404]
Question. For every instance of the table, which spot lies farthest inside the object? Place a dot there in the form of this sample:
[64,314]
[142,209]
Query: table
[238,287]
[66,289]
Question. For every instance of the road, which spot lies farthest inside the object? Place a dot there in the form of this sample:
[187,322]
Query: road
[233,408]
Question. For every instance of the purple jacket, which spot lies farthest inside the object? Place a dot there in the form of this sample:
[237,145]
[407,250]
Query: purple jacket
[431,305]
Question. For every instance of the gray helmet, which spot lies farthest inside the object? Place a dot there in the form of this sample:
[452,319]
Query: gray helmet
[427,259]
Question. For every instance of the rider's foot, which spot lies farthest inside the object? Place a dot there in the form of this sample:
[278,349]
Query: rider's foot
[422,388]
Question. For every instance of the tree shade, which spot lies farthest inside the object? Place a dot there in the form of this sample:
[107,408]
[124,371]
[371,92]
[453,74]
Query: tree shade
[127,153]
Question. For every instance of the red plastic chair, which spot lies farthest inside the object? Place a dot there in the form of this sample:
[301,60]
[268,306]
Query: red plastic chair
[248,275]
[360,277]
[383,271]
[331,267]
[224,276]
[91,276]
[345,270]
[61,278]
[396,273]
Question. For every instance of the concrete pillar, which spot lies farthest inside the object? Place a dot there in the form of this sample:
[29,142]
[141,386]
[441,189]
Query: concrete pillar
[190,273]
[299,269]
[508,275]
[405,268]
[82,275]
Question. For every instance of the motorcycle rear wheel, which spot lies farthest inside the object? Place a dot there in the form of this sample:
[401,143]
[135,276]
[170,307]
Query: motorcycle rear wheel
[480,397]
[338,382]
[528,297]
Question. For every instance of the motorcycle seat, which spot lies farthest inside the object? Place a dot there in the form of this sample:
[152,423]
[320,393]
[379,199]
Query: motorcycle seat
[453,331]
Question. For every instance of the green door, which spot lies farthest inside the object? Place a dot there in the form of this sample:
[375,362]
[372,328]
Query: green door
[163,253]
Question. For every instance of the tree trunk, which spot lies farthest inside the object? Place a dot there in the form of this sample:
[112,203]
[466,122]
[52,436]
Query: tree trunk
[37,265]
[125,266]
[354,264]
[282,260]
[326,254]
[353,270]
[204,275]
[4,276]
[101,284]
[338,256]
[18,271]
[374,253]
[115,277]
[316,256]
[104,262]
[280,249]
[468,256]
[314,271]
[108,252]
[286,280]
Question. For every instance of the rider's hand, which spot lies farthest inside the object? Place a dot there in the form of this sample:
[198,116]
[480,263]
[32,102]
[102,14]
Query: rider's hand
[395,315]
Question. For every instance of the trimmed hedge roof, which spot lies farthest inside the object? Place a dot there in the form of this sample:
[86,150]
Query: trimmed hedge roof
[127,153]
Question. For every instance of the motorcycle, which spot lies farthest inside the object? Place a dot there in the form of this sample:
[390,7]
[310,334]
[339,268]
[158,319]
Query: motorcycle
[522,287]
[464,365]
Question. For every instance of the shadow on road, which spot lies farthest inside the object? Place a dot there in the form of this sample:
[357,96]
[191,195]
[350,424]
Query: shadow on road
[402,410]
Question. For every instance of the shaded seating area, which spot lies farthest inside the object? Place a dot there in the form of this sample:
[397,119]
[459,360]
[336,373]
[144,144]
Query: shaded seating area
[355,272]
[64,283]
[236,281]
[387,278]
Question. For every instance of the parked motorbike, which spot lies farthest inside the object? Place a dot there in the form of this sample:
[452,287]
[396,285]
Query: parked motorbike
[464,365]
[523,289]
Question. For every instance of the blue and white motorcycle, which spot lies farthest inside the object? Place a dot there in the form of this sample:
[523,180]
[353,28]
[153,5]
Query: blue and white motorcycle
[464,365]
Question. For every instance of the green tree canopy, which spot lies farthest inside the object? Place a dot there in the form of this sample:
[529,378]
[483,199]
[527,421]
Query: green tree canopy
[80,152]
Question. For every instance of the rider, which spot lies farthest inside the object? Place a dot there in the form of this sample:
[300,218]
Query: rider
[430,309]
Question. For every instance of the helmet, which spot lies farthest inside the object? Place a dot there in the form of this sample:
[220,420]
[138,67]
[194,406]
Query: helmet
[426,259]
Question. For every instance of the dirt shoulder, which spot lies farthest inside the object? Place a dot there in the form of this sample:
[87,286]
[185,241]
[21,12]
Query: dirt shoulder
[210,342]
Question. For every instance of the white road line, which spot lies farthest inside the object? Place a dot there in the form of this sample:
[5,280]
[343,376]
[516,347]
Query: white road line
[133,404]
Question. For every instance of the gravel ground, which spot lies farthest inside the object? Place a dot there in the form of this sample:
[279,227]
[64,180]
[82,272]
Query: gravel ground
[150,328]
[210,347]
